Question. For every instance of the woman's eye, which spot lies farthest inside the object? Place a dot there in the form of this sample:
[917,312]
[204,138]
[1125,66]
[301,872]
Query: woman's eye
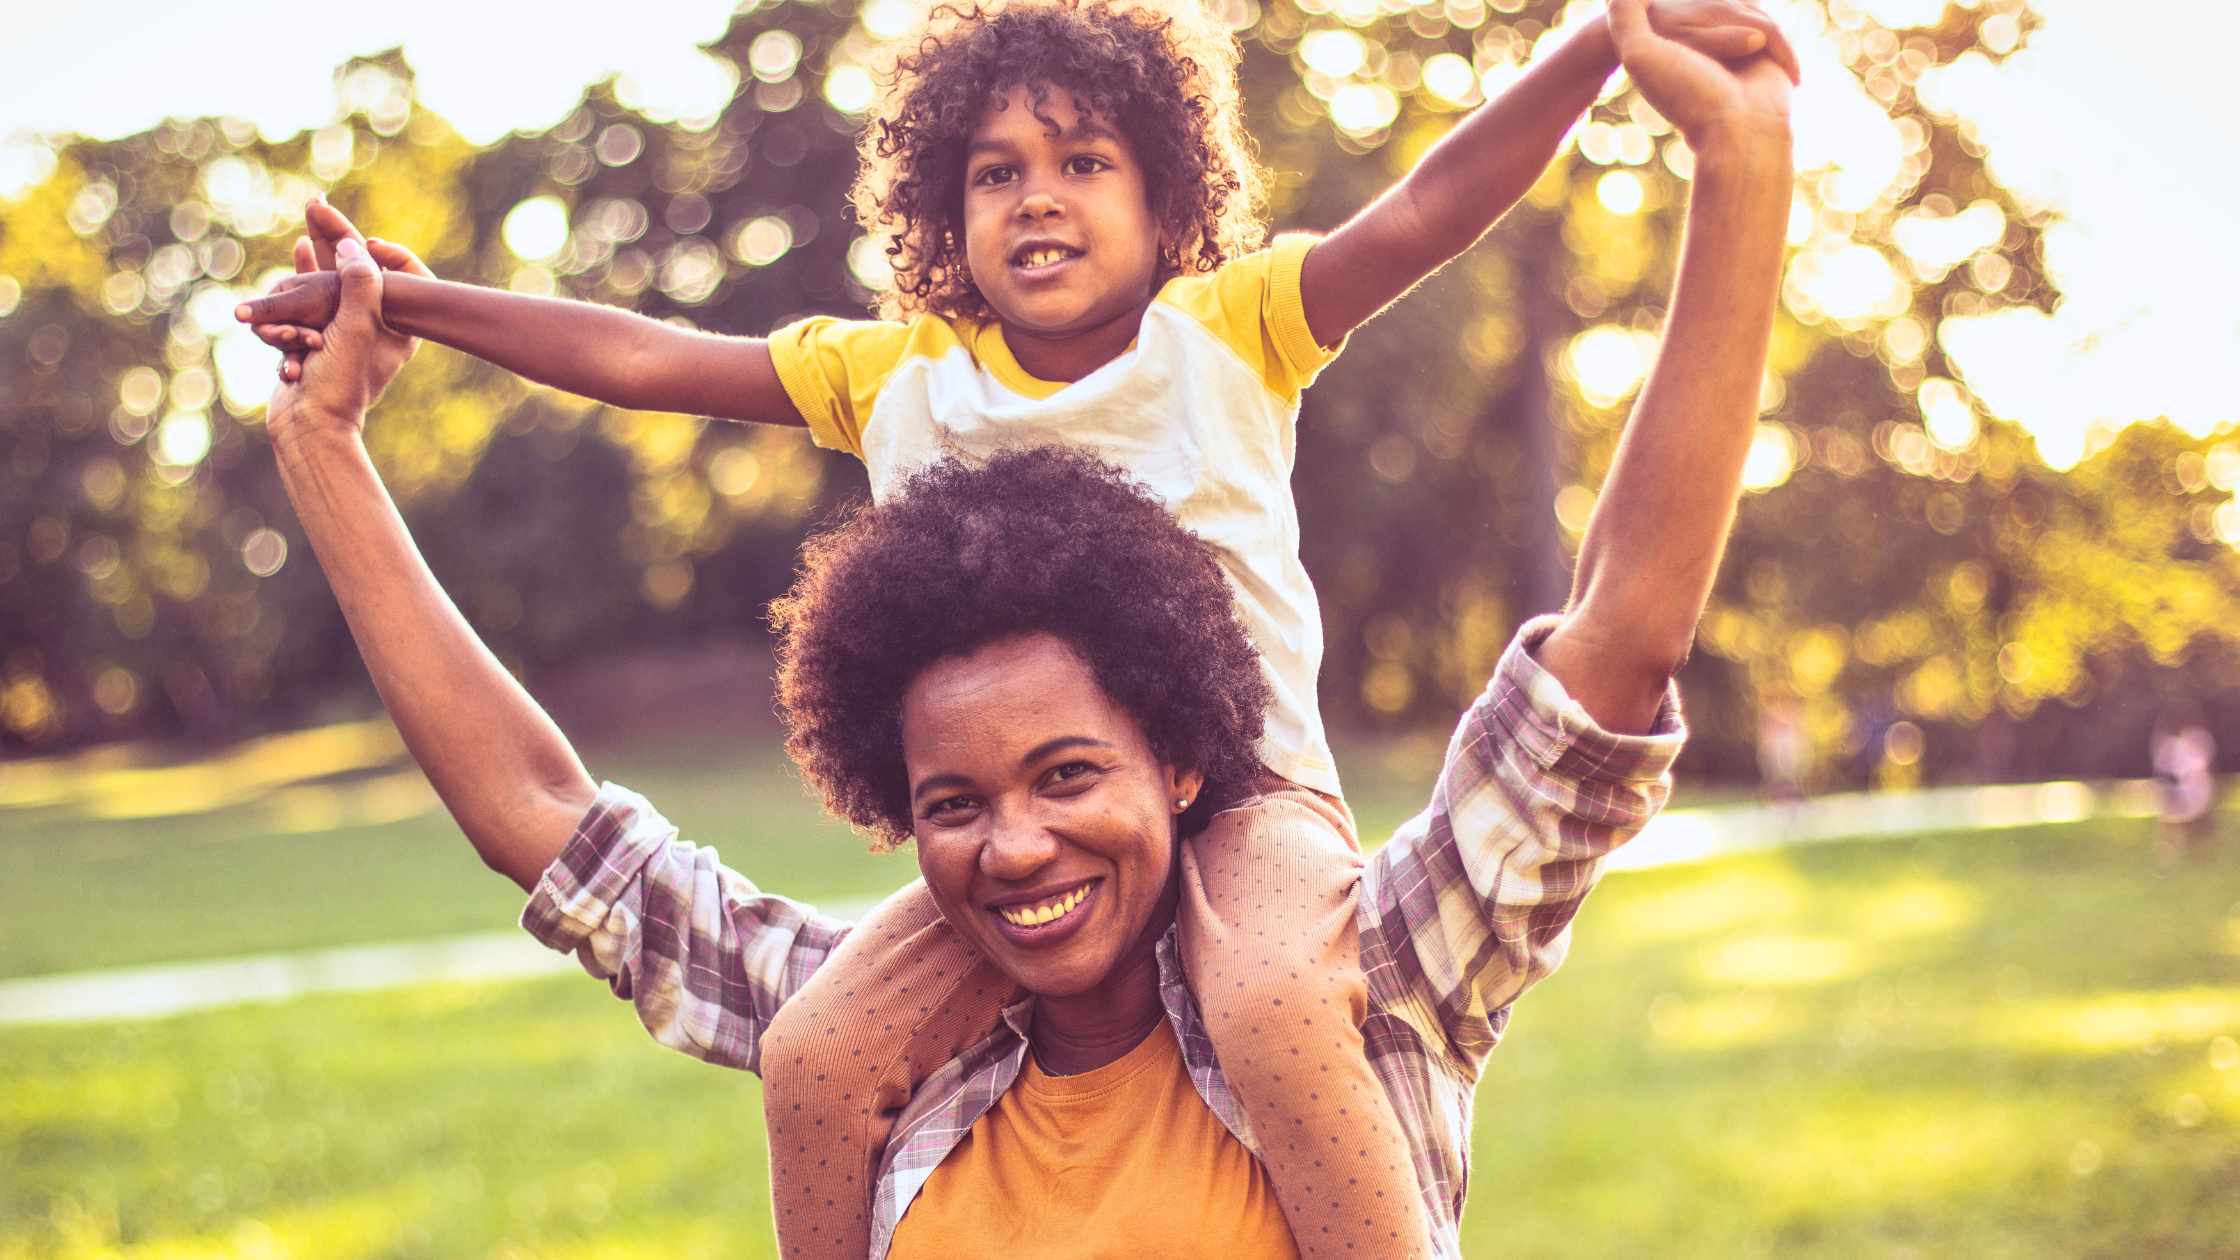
[953,805]
[1070,771]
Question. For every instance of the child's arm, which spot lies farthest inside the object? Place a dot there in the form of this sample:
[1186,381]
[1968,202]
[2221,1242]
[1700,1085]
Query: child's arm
[1481,168]
[601,352]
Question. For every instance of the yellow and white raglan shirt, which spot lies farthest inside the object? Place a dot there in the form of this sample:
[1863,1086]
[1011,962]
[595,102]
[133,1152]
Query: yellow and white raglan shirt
[1203,409]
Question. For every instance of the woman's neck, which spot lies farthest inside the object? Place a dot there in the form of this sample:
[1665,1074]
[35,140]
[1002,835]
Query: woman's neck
[1085,1031]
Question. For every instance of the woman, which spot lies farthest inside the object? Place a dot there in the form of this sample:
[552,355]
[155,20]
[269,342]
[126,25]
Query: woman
[1031,673]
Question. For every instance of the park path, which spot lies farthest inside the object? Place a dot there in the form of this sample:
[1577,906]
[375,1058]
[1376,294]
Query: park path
[1675,838]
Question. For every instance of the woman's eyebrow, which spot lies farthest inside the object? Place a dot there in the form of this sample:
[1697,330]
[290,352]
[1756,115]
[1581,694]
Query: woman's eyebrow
[938,783]
[1062,742]
[944,782]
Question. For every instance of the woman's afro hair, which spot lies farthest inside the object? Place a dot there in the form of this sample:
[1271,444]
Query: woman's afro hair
[1036,540]
[1165,69]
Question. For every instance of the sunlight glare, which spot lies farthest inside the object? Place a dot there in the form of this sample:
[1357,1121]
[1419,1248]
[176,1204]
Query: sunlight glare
[1334,53]
[1951,422]
[536,229]
[1608,360]
[1449,78]
[1619,191]
[1772,457]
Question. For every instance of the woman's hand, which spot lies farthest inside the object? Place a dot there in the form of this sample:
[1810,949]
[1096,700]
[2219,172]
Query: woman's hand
[357,356]
[1705,99]
[290,318]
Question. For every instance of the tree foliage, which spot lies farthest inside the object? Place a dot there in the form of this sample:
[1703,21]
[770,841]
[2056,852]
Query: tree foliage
[1902,556]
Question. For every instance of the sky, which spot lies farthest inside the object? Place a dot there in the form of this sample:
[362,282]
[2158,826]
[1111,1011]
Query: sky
[2120,117]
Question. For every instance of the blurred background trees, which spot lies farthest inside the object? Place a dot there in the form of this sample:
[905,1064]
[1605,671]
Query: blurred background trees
[1917,591]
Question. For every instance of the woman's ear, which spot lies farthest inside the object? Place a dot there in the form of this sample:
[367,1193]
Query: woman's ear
[1183,787]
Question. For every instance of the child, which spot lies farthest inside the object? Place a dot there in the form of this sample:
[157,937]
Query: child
[1069,204]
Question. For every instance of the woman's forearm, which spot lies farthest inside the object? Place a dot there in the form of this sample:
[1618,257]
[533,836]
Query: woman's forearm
[1652,547]
[505,771]
[605,353]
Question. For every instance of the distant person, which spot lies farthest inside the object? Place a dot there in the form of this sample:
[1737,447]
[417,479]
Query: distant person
[1784,752]
[1067,197]
[2185,761]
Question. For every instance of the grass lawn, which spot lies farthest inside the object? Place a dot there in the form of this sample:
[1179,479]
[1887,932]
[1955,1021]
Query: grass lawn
[1980,1045]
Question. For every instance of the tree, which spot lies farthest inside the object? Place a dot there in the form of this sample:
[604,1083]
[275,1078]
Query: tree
[1905,556]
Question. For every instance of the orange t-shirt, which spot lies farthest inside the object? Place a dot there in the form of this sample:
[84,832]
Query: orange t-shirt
[1122,1162]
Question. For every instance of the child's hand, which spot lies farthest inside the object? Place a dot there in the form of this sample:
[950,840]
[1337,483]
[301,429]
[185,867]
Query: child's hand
[1724,30]
[1702,96]
[290,317]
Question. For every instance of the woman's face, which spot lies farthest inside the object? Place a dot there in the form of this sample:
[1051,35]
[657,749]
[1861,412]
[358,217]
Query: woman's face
[1045,824]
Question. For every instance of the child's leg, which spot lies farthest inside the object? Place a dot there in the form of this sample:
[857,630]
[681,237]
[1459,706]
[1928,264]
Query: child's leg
[901,997]
[1274,957]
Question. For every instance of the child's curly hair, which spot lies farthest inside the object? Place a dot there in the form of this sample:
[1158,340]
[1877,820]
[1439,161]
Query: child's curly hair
[1045,540]
[1167,69]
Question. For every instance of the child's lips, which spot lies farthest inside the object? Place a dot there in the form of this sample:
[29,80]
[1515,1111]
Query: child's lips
[1045,261]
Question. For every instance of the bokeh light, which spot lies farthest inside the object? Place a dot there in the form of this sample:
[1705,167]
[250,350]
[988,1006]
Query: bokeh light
[1334,53]
[1619,192]
[1449,77]
[1608,360]
[869,264]
[1772,457]
[886,19]
[537,229]
[848,88]
[1362,108]
[760,242]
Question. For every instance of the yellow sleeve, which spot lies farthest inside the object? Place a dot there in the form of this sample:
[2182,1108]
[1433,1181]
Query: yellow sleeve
[1252,305]
[833,370]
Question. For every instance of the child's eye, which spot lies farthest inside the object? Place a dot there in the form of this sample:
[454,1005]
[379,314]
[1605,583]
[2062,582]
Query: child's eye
[996,175]
[1086,164]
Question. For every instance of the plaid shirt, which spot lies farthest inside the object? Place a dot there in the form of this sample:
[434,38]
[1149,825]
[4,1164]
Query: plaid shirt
[1465,908]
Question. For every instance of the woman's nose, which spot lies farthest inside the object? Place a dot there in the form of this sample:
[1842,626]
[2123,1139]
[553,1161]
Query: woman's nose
[1017,847]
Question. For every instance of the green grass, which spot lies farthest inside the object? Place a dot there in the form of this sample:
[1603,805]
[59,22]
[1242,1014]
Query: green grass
[276,872]
[296,866]
[1983,1045]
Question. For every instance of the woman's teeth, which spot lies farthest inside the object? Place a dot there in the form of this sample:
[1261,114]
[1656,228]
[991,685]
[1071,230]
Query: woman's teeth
[1045,256]
[1031,916]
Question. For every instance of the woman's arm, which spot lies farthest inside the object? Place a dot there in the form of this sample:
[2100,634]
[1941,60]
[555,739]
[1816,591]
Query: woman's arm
[600,352]
[1653,543]
[1479,170]
[504,770]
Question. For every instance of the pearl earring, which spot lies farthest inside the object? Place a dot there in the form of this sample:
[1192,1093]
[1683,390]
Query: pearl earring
[1182,802]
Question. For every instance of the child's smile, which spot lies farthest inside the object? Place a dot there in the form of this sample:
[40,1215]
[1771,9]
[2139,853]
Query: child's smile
[1059,232]
[1042,259]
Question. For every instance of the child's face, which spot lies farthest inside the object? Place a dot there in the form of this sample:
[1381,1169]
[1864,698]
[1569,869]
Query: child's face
[1058,228]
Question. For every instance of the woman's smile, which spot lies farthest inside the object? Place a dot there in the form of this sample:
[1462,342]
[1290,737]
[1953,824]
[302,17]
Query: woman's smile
[1040,921]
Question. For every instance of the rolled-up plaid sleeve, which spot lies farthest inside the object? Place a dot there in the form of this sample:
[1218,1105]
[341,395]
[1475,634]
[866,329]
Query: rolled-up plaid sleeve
[1471,902]
[706,957]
